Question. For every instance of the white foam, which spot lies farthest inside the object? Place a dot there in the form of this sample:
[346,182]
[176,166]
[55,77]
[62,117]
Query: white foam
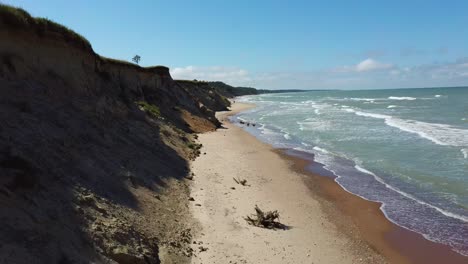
[321,150]
[440,134]
[364,99]
[401,98]
[303,150]
[392,106]
[465,153]
[409,196]
[437,95]
[287,136]
[372,115]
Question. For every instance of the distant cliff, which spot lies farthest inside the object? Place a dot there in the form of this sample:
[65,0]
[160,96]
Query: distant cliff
[94,152]
[231,91]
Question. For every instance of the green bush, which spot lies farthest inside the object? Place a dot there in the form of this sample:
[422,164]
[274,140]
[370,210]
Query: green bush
[150,109]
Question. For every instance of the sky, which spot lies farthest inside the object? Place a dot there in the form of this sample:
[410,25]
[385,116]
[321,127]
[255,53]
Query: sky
[279,44]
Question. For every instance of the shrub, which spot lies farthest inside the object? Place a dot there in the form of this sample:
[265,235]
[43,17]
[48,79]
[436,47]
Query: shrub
[150,109]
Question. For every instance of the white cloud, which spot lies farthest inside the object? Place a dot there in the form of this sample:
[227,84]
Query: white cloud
[366,65]
[368,73]
[372,65]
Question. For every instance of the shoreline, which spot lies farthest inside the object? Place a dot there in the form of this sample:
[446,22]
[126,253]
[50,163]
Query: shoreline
[359,229]
[396,243]
[220,205]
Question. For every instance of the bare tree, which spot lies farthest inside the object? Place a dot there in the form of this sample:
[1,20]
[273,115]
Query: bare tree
[136,59]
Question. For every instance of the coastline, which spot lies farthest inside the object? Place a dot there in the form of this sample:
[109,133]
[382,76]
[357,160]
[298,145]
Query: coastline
[358,227]
[363,219]
[222,235]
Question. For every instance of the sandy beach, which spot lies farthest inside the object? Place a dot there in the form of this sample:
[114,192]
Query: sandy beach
[220,206]
[326,224]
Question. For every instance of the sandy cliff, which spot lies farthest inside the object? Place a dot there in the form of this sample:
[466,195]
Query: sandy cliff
[93,151]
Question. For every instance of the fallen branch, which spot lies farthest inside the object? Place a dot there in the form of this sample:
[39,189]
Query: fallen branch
[269,220]
[241,182]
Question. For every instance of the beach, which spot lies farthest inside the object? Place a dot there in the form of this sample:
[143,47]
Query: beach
[325,223]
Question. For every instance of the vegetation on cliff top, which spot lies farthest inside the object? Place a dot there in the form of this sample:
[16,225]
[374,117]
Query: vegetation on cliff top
[231,91]
[18,18]
[192,81]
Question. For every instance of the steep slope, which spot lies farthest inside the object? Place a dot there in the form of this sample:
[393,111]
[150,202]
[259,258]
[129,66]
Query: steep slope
[93,152]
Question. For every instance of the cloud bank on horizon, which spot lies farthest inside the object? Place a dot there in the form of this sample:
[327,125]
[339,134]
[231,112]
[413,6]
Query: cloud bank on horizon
[366,74]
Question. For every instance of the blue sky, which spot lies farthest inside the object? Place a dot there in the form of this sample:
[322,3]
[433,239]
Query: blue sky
[280,44]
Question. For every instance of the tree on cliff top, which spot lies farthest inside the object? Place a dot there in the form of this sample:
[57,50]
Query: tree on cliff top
[136,59]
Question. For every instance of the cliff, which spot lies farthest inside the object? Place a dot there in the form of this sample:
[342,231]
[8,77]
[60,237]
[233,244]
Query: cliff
[94,152]
[231,91]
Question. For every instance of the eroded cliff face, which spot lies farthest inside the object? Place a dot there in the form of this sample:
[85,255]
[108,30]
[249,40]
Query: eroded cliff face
[87,173]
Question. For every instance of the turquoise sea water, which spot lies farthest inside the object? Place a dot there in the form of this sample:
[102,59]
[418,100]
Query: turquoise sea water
[406,148]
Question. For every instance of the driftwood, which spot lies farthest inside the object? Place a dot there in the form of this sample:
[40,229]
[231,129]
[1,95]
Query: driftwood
[242,182]
[269,220]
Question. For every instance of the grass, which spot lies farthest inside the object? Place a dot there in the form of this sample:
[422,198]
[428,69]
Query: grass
[117,61]
[15,18]
[157,68]
[195,146]
[18,18]
[150,109]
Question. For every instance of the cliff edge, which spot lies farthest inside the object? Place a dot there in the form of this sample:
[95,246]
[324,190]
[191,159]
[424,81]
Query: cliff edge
[94,152]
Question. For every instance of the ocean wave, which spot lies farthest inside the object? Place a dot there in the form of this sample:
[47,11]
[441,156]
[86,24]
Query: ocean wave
[401,98]
[321,150]
[303,150]
[266,131]
[465,153]
[287,136]
[372,115]
[437,95]
[241,119]
[364,99]
[409,196]
[392,106]
[440,134]
[318,107]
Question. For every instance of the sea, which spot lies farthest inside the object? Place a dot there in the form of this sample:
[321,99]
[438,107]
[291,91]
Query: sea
[405,148]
